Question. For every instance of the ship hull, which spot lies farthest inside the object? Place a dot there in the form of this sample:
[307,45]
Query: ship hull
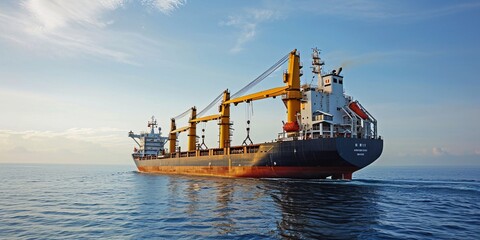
[320,158]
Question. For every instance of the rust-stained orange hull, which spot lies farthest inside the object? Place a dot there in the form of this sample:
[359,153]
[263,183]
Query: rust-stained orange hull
[254,172]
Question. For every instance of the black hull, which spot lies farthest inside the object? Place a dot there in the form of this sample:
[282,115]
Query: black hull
[314,158]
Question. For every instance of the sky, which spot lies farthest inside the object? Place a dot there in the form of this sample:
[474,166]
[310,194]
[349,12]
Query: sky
[76,76]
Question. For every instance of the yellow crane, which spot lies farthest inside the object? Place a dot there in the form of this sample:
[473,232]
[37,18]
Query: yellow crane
[292,97]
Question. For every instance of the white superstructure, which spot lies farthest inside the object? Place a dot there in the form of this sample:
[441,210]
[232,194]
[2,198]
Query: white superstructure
[151,143]
[326,111]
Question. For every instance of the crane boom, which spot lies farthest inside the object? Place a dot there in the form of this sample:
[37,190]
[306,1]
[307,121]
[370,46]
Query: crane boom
[207,118]
[262,76]
[259,95]
[210,105]
[179,130]
[292,97]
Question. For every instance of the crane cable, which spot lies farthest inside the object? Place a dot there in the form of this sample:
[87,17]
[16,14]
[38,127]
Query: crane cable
[203,146]
[183,114]
[209,106]
[257,80]
[261,77]
[248,115]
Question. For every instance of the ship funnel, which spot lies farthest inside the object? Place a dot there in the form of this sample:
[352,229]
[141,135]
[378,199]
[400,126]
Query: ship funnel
[339,70]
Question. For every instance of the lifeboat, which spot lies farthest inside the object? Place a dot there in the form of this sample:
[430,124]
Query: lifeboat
[355,108]
[291,127]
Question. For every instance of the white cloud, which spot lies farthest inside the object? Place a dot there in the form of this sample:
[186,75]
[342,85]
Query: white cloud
[366,10]
[72,28]
[165,6]
[248,24]
[52,15]
[105,136]
[438,151]
[75,145]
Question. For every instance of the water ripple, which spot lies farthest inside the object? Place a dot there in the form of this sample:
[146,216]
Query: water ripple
[58,202]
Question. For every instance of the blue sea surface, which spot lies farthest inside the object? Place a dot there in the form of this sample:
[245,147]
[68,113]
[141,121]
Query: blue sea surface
[117,202]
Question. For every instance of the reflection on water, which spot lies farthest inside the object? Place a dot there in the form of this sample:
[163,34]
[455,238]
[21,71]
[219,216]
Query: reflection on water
[222,211]
[51,202]
[270,208]
[324,210]
[192,197]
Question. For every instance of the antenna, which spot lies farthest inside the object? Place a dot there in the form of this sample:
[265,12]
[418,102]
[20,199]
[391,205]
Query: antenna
[317,64]
[152,124]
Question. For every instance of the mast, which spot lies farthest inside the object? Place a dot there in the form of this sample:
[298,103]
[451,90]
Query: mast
[192,131]
[224,123]
[293,95]
[317,64]
[173,136]
[152,124]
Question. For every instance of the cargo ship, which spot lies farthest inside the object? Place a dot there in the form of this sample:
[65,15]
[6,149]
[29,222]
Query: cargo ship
[326,133]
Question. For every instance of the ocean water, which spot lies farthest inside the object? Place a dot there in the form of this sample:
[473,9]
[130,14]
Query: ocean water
[116,202]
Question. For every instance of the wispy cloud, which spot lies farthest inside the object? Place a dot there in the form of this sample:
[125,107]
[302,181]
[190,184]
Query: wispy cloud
[439,151]
[106,136]
[74,27]
[165,6]
[248,24]
[75,145]
[52,15]
[248,21]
